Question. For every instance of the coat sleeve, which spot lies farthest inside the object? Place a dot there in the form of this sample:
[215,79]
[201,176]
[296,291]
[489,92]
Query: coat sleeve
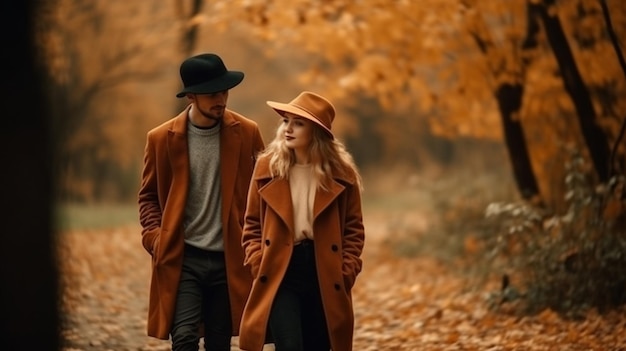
[353,236]
[148,199]
[251,236]
[258,143]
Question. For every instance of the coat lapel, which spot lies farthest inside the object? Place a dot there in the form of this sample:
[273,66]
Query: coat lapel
[323,198]
[277,195]
[179,160]
[230,148]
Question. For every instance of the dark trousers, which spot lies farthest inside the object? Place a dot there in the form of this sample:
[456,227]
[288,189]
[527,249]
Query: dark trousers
[297,321]
[202,297]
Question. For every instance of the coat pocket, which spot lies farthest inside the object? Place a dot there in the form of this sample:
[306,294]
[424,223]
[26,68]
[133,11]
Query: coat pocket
[149,238]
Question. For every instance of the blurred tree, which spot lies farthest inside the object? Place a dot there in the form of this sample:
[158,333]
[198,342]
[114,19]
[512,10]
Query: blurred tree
[189,17]
[94,51]
[406,74]
[508,65]
[388,52]
[615,167]
[595,138]
[188,13]
[422,59]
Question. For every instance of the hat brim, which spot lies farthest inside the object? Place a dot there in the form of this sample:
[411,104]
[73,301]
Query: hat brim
[227,81]
[281,108]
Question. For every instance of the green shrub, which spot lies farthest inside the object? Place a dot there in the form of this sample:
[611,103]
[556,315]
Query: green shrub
[568,261]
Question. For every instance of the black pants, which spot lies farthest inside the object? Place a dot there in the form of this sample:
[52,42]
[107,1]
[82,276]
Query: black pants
[202,297]
[297,321]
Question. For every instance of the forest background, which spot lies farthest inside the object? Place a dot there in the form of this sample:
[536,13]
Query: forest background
[419,86]
[501,122]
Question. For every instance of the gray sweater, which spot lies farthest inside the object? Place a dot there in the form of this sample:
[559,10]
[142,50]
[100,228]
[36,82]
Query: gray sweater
[203,210]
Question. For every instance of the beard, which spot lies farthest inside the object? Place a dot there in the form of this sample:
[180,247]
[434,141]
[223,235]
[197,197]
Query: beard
[215,113]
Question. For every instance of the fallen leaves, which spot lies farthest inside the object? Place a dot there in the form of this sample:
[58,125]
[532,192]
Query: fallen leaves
[400,303]
[105,278]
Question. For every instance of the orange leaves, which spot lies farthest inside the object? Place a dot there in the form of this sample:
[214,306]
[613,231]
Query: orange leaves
[472,244]
[373,47]
[405,53]
[399,303]
[104,277]
[434,65]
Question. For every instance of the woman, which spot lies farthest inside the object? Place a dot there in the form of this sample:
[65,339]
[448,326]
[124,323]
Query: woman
[303,234]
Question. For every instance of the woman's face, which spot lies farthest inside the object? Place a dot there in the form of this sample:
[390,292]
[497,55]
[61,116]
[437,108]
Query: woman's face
[298,132]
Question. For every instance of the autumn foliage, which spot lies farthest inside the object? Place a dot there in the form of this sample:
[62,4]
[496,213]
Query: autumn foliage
[532,89]
[568,261]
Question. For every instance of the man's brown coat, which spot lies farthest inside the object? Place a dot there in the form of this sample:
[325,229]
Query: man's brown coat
[162,198]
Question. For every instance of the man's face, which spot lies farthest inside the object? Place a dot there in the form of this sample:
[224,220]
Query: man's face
[211,106]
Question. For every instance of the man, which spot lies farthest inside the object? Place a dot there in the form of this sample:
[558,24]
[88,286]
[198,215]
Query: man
[197,169]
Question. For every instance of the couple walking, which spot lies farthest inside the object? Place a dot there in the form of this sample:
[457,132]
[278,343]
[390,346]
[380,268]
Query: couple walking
[246,239]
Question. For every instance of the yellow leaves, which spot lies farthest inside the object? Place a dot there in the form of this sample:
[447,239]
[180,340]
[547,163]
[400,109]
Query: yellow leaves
[417,58]
[471,244]
[52,47]
[352,35]
[600,65]
[467,118]
[105,277]
[399,303]
[196,20]
[548,316]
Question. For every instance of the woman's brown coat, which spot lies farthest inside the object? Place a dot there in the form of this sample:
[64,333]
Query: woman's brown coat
[268,244]
[162,198]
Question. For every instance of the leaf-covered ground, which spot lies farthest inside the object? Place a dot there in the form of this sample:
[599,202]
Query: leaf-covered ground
[401,303]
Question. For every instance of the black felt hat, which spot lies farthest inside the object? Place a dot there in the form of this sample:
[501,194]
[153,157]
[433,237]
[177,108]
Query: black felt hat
[206,74]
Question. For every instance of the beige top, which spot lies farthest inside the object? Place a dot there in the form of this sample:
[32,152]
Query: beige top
[302,185]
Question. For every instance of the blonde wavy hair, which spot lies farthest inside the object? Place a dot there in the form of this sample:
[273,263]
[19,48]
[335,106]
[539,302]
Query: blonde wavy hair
[328,157]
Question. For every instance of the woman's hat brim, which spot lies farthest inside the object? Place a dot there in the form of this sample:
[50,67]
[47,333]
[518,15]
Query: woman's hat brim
[227,81]
[281,108]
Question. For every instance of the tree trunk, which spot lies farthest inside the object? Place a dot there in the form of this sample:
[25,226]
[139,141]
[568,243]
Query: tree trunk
[509,98]
[622,62]
[190,32]
[593,135]
[188,38]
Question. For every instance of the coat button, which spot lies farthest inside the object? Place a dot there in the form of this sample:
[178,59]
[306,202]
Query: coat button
[263,279]
[334,248]
[267,242]
[337,287]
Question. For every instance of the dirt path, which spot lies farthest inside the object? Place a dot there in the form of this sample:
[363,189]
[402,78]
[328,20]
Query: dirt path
[400,303]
